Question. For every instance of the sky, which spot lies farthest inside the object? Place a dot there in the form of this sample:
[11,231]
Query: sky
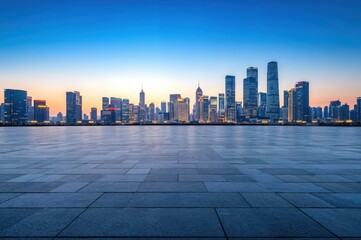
[112,48]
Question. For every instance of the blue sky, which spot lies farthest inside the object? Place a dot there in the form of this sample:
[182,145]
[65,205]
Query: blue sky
[109,48]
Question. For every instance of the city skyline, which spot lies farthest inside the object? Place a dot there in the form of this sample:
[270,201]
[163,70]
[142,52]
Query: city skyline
[113,49]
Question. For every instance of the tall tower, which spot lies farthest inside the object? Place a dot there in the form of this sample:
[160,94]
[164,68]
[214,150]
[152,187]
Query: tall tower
[142,110]
[250,96]
[73,107]
[273,98]
[199,94]
[230,98]
[15,111]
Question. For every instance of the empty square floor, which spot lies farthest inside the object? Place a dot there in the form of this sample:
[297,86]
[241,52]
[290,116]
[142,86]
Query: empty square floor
[217,182]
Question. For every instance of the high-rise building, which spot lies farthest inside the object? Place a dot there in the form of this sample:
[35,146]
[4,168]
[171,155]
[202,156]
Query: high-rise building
[204,108]
[142,115]
[181,110]
[94,114]
[15,111]
[344,112]
[117,104]
[230,102]
[239,111]
[59,117]
[73,107]
[125,111]
[316,113]
[105,103]
[284,115]
[250,97]
[40,111]
[334,110]
[292,105]
[108,116]
[358,111]
[163,106]
[152,112]
[253,72]
[212,115]
[2,109]
[173,98]
[262,104]
[30,108]
[199,94]
[303,94]
[221,110]
[326,112]
[273,99]
[298,103]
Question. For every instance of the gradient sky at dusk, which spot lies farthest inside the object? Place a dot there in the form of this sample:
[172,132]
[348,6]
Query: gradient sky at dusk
[110,48]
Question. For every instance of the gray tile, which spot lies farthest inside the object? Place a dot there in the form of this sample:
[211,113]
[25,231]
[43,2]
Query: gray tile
[70,187]
[144,222]
[123,178]
[265,200]
[305,200]
[172,187]
[7,196]
[113,200]
[200,178]
[162,178]
[103,187]
[269,222]
[42,200]
[45,222]
[342,222]
[200,200]
[348,200]
[9,217]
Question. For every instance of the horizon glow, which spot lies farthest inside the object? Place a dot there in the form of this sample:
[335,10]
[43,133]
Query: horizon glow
[112,48]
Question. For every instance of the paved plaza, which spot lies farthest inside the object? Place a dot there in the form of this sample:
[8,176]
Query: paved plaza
[218,182]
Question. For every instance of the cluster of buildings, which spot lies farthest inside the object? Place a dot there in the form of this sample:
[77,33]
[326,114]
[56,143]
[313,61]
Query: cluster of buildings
[256,107]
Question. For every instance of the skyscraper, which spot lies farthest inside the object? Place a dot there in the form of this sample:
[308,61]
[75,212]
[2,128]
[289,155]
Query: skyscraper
[303,95]
[105,103]
[285,106]
[273,99]
[250,93]
[344,112]
[212,116]
[173,98]
[253,72]
[40,111]
[125,111]
[298,103]
[2,109]
[199,94]
[117,104]
[94,114]
[230,98]
[326,112]
[142,111]
[221,111]
[181,110]
[334,109]
[30,108]
[151,112]
[15,111]
[163,106]
[358,113]
[262,104]
[239,111]
[73,107]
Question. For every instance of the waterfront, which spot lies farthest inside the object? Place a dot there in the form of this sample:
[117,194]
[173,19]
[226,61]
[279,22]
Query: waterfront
[180,181]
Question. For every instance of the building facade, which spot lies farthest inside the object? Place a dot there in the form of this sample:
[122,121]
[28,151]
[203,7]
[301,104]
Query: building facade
[230,100]
[15,110]
[73,107]
[273,99]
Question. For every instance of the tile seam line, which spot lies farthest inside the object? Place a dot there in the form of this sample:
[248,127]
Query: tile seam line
[78,216]
[305,214]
